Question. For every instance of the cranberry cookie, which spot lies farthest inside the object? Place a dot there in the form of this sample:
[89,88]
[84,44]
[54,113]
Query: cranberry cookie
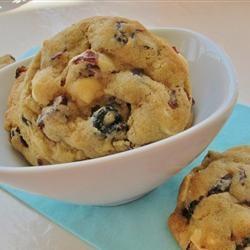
[103,85]
[213,210]
[5,60]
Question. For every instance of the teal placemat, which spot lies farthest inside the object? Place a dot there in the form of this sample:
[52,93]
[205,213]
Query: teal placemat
[140,225]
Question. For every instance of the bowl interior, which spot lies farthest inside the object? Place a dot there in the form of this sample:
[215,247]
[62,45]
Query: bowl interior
[211,79]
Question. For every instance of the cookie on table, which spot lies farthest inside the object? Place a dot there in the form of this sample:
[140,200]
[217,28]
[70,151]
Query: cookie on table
[6,60]
[213,207]
[101,86]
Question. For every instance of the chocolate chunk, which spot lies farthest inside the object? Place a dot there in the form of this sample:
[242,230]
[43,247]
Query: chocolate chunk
[107,120]
[20,70]
[189,210]
[244,243]
[173,100]
[26,121]
[137,71]
[146,47]
[242,176]
[223,185]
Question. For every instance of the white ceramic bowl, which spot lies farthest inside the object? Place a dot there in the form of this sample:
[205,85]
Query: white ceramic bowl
[125,176]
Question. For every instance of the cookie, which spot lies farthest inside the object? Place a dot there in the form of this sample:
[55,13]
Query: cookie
[5,60]
[101,86]
[213,207]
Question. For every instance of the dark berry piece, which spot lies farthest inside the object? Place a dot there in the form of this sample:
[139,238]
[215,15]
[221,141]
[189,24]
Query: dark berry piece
[119,24]
[137,71]
[193,101]
[132,35]
[189,246]
[189,210]
[245,203]
[25,144]
[26,121]
[175,49]
[50,109]
[41,162]
[242,176]
[244,243]
[223,185]
[14,132]
[121,37]
[173,100]
[61,100]
[95,108]
[92,69]
[40,122]
[63,81]
[12,57]
[107,120]
[20,70]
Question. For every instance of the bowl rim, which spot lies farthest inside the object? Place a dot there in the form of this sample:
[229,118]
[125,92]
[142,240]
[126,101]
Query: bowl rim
[229,101]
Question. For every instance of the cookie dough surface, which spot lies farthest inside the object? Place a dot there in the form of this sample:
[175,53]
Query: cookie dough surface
[213,210]
[6,60]
[101,86]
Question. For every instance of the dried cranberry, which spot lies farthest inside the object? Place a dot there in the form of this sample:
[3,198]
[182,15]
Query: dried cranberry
[88,56]
[63,81]
[57,55]
[20,70]
[173,100]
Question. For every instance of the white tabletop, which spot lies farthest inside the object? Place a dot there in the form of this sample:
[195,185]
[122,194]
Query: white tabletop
[226,22]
